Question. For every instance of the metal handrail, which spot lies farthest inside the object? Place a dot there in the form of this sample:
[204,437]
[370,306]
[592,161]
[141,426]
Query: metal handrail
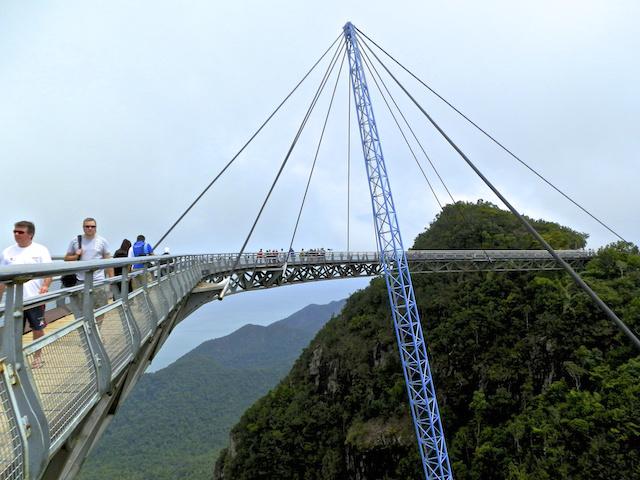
[22,273]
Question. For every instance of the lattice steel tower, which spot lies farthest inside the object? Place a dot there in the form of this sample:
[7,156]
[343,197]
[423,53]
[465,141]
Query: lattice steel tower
[413,351]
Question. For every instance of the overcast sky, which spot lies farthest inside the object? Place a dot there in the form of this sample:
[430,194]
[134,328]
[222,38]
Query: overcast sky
[125,111]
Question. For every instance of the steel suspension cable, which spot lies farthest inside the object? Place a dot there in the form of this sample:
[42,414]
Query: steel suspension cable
[288,155]
[244,146]
[365,61]
[315,158]
[576,278]
[415,137]
[458,207]
[494,140]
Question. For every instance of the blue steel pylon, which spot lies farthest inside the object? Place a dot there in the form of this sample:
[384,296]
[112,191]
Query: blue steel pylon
[413,350]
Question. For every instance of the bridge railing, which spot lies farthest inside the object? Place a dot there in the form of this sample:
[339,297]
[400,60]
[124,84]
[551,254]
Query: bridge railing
[223,262]
[49,385]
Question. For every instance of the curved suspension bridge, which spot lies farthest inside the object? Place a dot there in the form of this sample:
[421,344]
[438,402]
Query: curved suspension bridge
[51,415]
[57,393]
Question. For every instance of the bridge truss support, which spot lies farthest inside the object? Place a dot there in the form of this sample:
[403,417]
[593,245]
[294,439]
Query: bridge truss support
[411,343]
[253,273]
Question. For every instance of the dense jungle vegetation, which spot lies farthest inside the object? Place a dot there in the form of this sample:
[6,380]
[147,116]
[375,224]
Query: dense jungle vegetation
[533,381]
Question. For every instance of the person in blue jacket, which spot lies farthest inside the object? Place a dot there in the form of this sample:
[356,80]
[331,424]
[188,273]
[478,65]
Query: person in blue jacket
[139,249]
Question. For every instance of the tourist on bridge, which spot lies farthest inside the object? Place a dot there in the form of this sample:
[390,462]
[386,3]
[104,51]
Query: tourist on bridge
[139,249]
[24,252]
[165,267]
[122,252]
[91,247]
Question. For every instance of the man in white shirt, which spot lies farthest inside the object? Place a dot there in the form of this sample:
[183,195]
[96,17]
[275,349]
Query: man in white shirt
[93,247]
[25,252]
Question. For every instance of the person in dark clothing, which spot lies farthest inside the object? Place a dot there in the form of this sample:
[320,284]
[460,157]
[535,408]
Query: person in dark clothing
[122,252]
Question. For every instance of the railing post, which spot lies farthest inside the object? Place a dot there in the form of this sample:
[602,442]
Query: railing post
[145,279]
[169,286]
[174,280]
[100,358]
[186,276]
[189,277]
[180,278]
[11,336]
[124,285]
[145,291]
[191,274]
[162,285]
[29,416]
[195,275]
[136,336]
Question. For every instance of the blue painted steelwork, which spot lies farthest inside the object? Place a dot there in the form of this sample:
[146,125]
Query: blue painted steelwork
[413,351]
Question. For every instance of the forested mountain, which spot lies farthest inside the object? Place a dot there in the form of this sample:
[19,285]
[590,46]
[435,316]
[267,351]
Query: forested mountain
[177,419]
[532,381]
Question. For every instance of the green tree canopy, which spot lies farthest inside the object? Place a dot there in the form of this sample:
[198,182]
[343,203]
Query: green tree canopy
[532,381]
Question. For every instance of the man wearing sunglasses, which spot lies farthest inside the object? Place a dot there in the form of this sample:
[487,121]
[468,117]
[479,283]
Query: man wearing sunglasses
[93,247]
[25,252]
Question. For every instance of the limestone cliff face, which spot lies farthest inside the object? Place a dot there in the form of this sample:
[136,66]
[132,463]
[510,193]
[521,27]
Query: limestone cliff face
[375,445]
[323,375]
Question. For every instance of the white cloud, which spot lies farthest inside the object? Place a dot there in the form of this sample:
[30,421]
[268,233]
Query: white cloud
[126,111]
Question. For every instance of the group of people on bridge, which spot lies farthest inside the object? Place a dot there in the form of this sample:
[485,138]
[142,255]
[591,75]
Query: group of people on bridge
[275,256]
[87,246]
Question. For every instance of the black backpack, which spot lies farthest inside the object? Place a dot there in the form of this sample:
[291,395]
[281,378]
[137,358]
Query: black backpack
[70,280]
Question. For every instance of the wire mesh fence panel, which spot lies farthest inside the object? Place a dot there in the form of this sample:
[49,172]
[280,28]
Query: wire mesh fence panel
[157,302]
[179,282]
[116,337]
[65,379]
[168,292]
[11,454]
[142,315]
